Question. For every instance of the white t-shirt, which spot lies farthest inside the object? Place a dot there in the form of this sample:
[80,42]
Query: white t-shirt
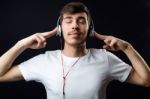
[88,79]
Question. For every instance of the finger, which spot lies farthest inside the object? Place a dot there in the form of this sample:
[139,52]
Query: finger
[112,43]
[109,47]
[50,33]
[43,39]
[44,44]
[38,41]
[107,41]
[100,36]
[106,47]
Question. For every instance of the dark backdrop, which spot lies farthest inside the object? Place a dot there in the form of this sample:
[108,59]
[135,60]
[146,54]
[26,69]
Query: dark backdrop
[126,19]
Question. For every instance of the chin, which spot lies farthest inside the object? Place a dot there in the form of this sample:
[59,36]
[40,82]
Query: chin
[76,42]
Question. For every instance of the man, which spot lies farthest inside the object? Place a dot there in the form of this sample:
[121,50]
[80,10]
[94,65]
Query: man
[75,72]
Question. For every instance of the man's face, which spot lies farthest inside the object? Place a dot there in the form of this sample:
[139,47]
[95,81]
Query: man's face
[75,28]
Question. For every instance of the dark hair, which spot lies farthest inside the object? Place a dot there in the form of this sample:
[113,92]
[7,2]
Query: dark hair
[75,7]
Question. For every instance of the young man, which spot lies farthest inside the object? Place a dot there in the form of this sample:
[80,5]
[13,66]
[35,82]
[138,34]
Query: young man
[75,72]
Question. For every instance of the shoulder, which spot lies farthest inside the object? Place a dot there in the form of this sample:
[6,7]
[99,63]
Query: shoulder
[98,51]
[102,53]
[45,55]
[42,58]
[98,54]
[52,52]
[95,50]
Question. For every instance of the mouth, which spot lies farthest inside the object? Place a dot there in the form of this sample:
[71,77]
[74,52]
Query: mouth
[74,35]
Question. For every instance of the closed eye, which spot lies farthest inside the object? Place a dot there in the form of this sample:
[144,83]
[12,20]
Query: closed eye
[67,20]
[82,21]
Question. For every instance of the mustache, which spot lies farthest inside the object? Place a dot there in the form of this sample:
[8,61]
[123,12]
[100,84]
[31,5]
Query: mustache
[74,32]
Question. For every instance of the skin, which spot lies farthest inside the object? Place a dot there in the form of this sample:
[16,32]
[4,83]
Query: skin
[75,28]
[140,73]
[35,41]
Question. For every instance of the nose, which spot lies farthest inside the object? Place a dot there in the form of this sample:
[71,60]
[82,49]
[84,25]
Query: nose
[75,25]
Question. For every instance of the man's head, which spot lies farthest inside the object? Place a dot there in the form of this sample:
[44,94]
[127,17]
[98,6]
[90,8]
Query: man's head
[75,22]
[73,8]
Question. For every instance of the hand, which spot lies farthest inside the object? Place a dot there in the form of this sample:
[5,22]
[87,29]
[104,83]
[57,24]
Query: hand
[112,43]
[37,40]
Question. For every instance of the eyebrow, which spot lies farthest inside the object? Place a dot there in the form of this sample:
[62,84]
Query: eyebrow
[69,17]
[81,17]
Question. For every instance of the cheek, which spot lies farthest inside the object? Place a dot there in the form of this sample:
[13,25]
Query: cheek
[64,29]
[86,28]
[86,31]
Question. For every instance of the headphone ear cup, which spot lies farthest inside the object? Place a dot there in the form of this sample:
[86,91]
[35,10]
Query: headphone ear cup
[91,31]
[59,30]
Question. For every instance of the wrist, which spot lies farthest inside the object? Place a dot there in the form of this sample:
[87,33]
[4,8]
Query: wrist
[128,48]
[20,46]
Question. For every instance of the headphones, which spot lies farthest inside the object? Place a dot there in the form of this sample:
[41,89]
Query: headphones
[90,31]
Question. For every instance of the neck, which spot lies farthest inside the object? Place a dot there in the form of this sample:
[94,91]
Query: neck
[75,51]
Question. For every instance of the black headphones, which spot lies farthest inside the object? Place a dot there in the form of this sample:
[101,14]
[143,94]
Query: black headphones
[90,31]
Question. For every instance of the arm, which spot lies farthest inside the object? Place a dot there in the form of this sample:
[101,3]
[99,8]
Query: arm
[140,73]
[11,73]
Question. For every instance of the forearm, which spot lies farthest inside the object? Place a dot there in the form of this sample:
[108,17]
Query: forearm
[138,63]
[7,59]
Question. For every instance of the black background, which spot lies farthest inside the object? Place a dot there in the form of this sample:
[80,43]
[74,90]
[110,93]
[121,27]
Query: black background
[126,19]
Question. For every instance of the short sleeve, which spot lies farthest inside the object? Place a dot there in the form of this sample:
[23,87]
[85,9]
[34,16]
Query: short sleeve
[119,70]
[32,68]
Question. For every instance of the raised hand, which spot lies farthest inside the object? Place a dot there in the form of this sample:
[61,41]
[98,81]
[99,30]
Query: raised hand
[50,33]
[37,40]
[112,43]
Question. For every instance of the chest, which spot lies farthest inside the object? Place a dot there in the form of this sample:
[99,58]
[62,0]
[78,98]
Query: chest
[89,78]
